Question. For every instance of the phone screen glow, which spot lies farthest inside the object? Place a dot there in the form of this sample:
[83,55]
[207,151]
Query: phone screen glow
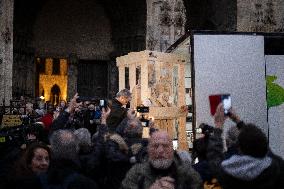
[227,104]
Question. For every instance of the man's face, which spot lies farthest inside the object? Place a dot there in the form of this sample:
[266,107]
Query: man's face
[87,103]
[62,103]
[29,107]
[160,150]
[91,107]
[124,99]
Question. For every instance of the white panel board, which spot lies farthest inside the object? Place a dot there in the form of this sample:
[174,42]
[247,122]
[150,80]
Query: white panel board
[275,70]
[231,64]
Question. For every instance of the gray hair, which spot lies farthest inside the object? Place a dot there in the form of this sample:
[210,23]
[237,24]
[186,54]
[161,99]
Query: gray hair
[84,137]
[134,127]
[64,145]
[123,92]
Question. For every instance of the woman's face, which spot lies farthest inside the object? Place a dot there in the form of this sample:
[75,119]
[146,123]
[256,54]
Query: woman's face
[62,103]
[40,161]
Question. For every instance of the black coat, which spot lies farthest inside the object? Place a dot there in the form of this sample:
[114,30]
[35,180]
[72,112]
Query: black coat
[117,158]
[61,169]
[117,114]
[61,122]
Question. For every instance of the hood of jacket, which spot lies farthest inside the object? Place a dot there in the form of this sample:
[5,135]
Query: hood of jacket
[245,167]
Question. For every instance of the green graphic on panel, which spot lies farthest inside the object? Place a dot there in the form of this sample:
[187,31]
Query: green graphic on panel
[275,93]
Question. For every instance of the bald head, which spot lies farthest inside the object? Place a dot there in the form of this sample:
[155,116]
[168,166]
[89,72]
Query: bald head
[160,135]
[160,150]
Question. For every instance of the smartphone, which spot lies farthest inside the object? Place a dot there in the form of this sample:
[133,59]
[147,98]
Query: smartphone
[103,104]
[227,103]
[215,100]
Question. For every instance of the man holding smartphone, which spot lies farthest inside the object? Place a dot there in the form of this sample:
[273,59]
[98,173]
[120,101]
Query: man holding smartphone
[118,111]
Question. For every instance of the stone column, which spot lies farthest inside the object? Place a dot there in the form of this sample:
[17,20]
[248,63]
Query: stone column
[121,84]
[72,75]
[6,49]
[132,74]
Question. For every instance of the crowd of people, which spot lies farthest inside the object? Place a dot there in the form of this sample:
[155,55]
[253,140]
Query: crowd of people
[86,146]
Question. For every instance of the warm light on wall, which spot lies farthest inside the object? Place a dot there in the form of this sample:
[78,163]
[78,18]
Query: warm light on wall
[47,80]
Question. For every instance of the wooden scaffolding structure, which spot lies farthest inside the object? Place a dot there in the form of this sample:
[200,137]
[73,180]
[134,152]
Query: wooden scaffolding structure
[157,80]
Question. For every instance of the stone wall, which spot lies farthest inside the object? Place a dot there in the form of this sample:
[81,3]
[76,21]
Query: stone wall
[218,15]
[24,74]
[261,16]
[69,26]
[165,23]
[128,21]
[24,68]
[6,49]
[72,73]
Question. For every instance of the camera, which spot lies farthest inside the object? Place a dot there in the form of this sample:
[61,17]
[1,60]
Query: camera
[142,109]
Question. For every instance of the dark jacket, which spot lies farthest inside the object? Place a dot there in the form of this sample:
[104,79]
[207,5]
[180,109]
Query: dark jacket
[117,114]
[142,176]
[202,167]
[243,171]
[89,115]
[19,176]
[61,169]
[21,180]
[60,122]
[118,163]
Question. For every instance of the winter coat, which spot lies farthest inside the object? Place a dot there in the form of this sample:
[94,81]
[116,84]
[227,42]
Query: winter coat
[61,169]
[117,114]
[142,176]
[202,167]
[243,171]
[117,160]
[60,122]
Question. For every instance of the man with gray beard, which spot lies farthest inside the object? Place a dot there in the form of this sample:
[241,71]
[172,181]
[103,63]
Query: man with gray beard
[164,168]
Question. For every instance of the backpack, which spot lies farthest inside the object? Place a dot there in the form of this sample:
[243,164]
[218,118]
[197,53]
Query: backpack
[62,185]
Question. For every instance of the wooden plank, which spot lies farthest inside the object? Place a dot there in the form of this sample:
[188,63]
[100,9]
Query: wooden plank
[144,81]
[132,76]
[166,112]
[182,138]
[121,70]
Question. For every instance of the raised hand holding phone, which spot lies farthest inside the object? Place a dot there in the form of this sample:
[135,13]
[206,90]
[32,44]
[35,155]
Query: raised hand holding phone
[219,116]
[227,103]
[216,99]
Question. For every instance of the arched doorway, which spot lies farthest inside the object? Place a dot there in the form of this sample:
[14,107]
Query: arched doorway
[55,95]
